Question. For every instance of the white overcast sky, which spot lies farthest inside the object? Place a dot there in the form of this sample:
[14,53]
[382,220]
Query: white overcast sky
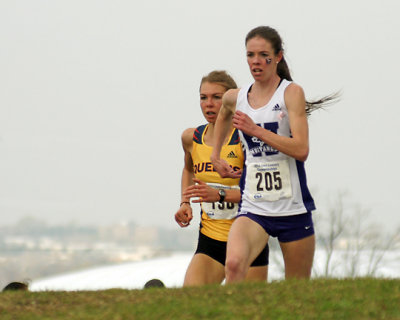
[95,94]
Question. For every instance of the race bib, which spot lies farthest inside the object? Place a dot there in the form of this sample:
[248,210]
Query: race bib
[269,181]
[216,210]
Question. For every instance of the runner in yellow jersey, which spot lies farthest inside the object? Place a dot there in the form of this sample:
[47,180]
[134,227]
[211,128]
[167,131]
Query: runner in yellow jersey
[218,196]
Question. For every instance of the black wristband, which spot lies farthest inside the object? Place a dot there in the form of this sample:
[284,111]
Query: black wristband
[222,195]
[184,202]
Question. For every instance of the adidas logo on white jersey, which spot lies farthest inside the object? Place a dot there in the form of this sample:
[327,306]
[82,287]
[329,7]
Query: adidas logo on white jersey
[277,107]
[231,155]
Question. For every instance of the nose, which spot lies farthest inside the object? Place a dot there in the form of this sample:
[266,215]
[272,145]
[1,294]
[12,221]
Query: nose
[255,59]
[209,102]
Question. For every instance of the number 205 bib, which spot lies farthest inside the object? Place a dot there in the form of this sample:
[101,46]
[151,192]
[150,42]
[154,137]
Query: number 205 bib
[269,181]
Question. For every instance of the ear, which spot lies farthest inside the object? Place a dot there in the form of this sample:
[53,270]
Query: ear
[279,56]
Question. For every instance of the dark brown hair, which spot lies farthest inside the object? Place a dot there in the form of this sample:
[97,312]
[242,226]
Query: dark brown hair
[272,36]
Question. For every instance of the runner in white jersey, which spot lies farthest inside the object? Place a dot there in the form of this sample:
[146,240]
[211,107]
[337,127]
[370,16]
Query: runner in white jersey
[273,183]
[271,116]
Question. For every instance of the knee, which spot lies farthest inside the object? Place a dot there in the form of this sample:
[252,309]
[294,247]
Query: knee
[233,266]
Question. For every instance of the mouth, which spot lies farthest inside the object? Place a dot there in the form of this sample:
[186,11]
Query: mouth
[256,70]
[210,116]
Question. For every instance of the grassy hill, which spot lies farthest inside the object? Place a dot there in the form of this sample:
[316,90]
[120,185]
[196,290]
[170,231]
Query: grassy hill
[363,298]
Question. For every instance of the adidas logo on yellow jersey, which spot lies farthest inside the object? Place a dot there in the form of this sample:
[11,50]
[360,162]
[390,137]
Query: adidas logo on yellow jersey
[231,155]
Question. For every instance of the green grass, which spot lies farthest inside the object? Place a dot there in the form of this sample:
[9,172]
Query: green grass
[364,298]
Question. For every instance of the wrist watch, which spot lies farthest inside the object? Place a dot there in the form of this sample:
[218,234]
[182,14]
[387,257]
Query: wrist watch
[222,195]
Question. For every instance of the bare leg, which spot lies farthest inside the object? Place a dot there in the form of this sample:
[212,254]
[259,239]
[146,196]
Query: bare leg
[203,270]
[298,256]
[245,242]
[257,274]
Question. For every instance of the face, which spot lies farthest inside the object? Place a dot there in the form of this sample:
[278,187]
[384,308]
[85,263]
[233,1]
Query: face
[211,100]
[261,58]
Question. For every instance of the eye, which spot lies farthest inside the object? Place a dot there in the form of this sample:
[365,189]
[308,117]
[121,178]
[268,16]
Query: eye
[250,54]
[203,98]
[217,97]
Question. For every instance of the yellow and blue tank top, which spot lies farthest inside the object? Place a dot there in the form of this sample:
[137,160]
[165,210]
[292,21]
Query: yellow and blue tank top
[216,218]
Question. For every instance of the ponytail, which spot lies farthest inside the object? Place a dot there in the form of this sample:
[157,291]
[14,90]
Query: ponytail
[322,102]
[283,70]
[272,36]
[284,73]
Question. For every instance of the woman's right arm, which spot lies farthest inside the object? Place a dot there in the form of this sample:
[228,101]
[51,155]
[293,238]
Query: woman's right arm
[184,214]
[205,193]
[222,127]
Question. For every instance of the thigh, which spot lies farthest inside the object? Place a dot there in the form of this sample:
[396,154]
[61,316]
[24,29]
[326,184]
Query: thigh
[246,240]
[257,273]
[203,270]
[262,259]
[298,257]
[215,249]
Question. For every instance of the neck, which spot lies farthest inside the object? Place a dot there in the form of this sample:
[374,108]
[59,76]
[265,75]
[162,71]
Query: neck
[262,92]
[209,135]
[210,129]
[269,84]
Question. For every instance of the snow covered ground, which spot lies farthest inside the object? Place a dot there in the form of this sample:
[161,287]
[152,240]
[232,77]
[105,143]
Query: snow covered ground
[132,275]
[171,271]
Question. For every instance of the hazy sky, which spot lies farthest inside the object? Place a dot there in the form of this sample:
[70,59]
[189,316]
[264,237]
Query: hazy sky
[94,96]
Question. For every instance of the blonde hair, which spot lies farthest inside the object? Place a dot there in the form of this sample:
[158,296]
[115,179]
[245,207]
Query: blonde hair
[220,77]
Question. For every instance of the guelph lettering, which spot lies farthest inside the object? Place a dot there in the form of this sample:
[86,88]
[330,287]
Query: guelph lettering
[208,167]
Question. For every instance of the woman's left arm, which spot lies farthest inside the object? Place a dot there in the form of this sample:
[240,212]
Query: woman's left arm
[296,146]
